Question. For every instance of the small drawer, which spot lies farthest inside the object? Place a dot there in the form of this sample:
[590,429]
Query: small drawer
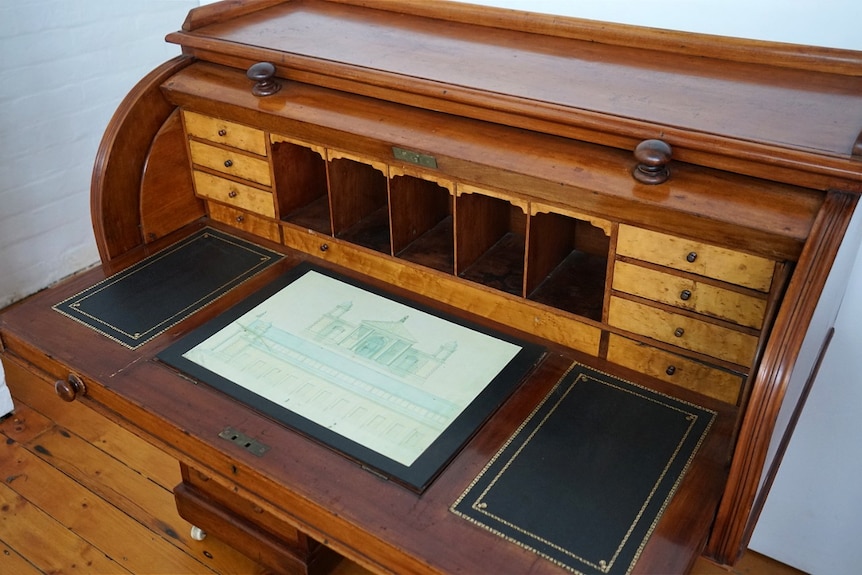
[245,221]
[235,194]
[695,257]
[247,508]
[694,375]
[231,162]
[688,294]
[682,331]
[226,133]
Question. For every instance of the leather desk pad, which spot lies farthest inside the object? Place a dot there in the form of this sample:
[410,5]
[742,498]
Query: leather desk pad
[586,477]
[137,304]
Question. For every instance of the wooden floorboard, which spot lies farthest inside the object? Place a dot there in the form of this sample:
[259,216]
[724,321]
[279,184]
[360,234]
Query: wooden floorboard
[80,494]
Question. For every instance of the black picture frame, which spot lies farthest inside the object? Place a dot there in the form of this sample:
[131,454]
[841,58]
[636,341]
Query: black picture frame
[416,474]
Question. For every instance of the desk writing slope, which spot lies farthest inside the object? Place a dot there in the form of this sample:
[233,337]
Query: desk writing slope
[660,209]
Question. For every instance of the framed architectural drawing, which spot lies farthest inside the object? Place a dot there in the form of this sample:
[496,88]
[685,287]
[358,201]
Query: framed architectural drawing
[387,382]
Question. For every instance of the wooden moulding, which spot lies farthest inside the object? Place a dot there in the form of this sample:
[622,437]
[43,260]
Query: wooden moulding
[585,178]
[761,84]
[120,161]
[730,533]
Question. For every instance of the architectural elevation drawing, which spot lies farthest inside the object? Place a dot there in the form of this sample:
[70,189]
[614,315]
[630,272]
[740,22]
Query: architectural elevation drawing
[382,374]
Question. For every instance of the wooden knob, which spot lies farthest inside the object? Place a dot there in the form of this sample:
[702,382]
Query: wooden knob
[70,388]
[653,157]
[262,74]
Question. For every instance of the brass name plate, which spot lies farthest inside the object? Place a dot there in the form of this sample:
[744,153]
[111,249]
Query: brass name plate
[417,158]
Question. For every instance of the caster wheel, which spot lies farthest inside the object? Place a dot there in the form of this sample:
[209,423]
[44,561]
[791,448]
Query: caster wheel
[198,534]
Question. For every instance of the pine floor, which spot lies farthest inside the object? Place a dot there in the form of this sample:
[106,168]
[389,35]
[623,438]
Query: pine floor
[82,495]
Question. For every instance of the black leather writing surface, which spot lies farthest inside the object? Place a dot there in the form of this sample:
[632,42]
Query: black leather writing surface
[586,477]
[142,301]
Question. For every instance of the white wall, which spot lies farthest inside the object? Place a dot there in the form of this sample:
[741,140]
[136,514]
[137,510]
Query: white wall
[66,64]
[832,23]
[812,517]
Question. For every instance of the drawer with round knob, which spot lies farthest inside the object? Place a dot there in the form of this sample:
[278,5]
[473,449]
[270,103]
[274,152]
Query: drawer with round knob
[235,194]
[245,221]
[225,133]
[678,370]
[697,296]
[231,162]
[695,257]
[734,346]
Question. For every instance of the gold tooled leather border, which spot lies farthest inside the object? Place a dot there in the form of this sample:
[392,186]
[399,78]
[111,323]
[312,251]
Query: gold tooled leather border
[603,566]
[267,258]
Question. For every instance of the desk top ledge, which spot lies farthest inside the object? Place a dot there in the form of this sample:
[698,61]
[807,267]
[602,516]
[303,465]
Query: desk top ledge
[625,80]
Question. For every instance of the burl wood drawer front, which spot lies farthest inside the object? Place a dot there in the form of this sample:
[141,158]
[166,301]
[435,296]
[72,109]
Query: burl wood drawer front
[696,257]
[231,162]
[226,133]
[233,193]
[244,221]
[682,331]
[689,294]
[675,369]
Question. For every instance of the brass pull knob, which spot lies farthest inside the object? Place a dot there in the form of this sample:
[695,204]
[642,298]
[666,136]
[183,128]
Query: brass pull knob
[653,157]
[240,219]
[232,194]
[70,388]
[670,370]
[691,257]
[262,73]
[324,247]
[222,132]
[228,163]
[679,332]
[685,295]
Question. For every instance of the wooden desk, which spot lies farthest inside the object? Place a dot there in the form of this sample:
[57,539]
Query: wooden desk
[483,162]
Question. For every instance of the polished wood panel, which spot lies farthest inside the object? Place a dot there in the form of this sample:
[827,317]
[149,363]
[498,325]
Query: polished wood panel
[120,161]
[724,208]
[548,94]
[167,200]
[83,454]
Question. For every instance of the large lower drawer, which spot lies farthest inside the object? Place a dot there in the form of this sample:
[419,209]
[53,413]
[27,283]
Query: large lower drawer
[683,331]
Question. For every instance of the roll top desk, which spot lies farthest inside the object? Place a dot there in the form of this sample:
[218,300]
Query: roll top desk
[661,206]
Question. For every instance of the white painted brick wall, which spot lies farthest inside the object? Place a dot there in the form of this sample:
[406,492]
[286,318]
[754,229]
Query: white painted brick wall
[65,65]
